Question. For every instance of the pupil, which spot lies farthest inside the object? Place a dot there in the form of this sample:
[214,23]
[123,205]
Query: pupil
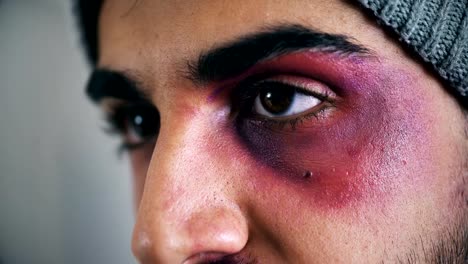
[277,100]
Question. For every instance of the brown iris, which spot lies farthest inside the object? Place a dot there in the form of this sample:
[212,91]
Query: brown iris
[276,100]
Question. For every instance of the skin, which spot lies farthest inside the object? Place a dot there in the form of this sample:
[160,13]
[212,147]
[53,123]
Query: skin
[387,164]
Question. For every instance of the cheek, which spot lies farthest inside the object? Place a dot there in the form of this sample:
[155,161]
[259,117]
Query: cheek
[357,152]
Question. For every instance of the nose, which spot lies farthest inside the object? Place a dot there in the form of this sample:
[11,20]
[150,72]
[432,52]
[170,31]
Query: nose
[189,212]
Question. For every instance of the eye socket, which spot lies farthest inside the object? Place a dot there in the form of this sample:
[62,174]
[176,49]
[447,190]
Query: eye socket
[277,100]
[137,123]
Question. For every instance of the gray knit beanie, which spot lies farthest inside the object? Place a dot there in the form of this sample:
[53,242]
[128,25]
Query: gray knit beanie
[436,29]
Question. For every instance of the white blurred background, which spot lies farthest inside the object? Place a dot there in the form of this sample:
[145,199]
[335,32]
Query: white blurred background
[64,193]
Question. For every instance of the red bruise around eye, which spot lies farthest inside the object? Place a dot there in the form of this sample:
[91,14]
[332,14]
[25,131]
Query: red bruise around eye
[335,158]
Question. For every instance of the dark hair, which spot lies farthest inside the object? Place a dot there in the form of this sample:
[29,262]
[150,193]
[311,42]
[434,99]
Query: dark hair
[87,13]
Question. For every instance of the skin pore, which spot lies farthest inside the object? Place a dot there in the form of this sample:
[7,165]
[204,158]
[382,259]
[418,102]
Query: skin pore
[371,169]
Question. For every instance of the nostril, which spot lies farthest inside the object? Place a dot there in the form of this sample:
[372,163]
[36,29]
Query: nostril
[205,258]
[219,258]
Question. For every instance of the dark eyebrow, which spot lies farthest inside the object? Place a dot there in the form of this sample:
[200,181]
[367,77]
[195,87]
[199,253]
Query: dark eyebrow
[105,83]
[233,58]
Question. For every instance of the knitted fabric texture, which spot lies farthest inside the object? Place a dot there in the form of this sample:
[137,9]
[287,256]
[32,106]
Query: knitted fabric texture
[436,29]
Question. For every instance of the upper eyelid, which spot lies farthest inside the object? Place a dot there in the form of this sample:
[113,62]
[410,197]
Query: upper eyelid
[111,104]
[324,95]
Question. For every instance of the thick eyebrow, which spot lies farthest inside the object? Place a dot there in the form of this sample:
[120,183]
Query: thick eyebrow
[229,59]
[233,58]
[105,83]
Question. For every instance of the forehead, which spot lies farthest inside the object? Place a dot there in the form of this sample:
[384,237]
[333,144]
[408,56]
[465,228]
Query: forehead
[155,33]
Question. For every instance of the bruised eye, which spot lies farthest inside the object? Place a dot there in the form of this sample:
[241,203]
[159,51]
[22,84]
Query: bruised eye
[279,100]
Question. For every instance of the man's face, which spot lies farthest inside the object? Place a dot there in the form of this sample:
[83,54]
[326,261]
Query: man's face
[290,145]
